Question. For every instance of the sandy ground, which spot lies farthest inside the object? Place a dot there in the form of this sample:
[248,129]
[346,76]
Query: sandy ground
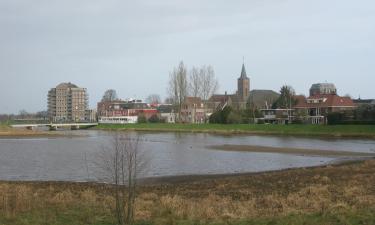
[293,151]
[6,132]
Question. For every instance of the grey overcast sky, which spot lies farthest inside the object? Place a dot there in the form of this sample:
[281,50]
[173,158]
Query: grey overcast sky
[131,46]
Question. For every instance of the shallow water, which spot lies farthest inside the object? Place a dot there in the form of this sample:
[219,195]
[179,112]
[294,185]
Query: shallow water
[73,159]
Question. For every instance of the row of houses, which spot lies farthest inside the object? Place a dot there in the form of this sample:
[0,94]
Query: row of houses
[312,109]
[129,111]
[193,109]
[315,108]
[69,102]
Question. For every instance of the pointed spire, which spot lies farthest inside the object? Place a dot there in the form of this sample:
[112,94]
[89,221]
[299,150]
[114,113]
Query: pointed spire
[243,72]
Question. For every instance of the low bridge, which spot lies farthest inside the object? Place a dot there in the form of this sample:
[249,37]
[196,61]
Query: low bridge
[54,126]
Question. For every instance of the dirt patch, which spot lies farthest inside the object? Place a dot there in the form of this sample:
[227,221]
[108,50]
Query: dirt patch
[6,132]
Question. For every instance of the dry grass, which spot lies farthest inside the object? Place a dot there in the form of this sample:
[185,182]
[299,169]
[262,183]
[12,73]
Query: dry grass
[6,131]
[300,191]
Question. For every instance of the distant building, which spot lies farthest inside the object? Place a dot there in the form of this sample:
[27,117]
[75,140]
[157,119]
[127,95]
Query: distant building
[277,116]
[323,89]
[262,99]
[67,102]
[124,111]
[237,100]
[110,108]
[193,110]
[364,102]
[324,100]
[91,115]
[243,86]
[167,113]
[218,102]
[118,119]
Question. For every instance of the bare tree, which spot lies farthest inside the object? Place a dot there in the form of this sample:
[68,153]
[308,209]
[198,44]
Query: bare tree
[178,86]
[153,99]
[210,83]
[195,82]
[109,95]
[23,114]
[121,163]
[168,101]
[202,82]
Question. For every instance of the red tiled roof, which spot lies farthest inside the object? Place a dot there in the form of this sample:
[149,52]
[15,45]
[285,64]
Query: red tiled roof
[218,98]
[329,101]
[193,100]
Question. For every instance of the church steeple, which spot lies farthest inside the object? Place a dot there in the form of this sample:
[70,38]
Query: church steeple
[243,72]
[243,85]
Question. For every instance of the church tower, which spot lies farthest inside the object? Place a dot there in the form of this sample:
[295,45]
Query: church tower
[243,85]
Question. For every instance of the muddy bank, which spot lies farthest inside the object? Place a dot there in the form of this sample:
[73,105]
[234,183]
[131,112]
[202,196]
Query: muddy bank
[292,151]
[23,133]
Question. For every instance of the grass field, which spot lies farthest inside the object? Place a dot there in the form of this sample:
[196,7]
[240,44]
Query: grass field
[331,195]
[308,130]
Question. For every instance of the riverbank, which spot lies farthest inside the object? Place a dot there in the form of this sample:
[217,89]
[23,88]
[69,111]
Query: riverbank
[292,151]
[334,194]
[8,132]
[354,131]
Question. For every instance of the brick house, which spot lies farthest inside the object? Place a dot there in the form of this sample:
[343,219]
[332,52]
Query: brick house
[314,109]
[120,108]
[192,110]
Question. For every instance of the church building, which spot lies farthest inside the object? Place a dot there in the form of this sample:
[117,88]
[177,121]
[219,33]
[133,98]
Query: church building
[243,85]
[237,100]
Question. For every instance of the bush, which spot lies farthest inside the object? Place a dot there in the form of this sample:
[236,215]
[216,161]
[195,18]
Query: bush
[260,122]
[221,116]
[154,119]
[335,118]
[215,117]
[345,118]
[298,121]
[142,118]
[365,113]
[356,122]
[234,118]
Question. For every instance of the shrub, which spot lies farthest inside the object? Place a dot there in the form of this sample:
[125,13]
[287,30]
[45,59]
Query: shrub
[154,119]
[260,122]
[234,118]
[221,116]
[142,118]
[335,118]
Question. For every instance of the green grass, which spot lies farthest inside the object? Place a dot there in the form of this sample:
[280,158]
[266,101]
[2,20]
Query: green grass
[55,216]
[309,130]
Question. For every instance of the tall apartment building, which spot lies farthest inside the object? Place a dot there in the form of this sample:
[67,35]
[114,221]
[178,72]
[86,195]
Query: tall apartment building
[67,102]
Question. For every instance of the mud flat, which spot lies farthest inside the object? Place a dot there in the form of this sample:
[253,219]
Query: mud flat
[292,151]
